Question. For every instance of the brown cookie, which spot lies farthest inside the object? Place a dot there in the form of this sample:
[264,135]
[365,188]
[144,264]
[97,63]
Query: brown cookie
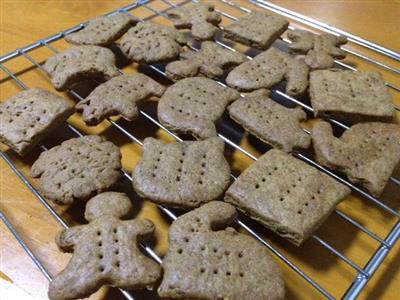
[286,195]
[320,49]
[150,43]
[211,61]
[102,31]
[208,260]
[192,105]
[199,17]
[182,174]
[105,251]
[79,63]
[271,122]
[269,68]
[119,95]
[28,117]
[354,96]
[257,29]
[77,169]
[367,152]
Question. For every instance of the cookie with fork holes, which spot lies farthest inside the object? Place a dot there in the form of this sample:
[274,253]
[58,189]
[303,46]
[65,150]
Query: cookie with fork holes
[211,61]
[80,63]
[269,68]
[182,174]
[286,195]
[270,121]
[77,169]
[105,251]
[29,116]
[367,153]
[103,31]
[119,95]
[201,18]
[206,259]
[193,105]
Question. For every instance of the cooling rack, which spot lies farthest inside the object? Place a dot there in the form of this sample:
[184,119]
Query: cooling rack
[361,273]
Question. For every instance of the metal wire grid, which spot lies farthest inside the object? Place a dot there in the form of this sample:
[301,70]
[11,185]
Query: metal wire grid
[363,273]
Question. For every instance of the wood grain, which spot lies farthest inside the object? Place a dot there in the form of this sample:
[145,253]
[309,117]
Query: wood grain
[23,22]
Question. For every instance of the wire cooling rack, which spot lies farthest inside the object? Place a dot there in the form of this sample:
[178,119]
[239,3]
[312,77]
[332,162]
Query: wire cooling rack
[229,133]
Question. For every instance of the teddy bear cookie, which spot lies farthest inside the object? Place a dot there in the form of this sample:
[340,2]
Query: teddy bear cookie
[105,251]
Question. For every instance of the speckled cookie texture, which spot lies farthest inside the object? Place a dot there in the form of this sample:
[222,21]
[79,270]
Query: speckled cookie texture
[320,49]
[286,195]
[149,43]
[192,105]
[355,96]
[105,251]
[367,152]
[103,31]
[77,169]
[271,122]
[182,174]
[257,29]
[269,68]
[119,95]
[79,63]
[211,61]
[207,259]
[28,117]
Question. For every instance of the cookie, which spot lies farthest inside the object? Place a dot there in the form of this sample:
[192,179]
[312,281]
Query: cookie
[210,61]
[286,195]
[151,43]
[257,29]
[199,17]
[271,122]
[119,95]
[77,169]
[182,174]
[206,259]
[192,105]
[320,49]
[31,115]
[79,63]
[354,96]
[269,68]
[367,152]
[103,31]
[105,251]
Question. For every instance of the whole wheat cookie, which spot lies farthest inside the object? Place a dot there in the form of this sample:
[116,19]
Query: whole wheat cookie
[119,95]
[29,116]
[192,105]
[103,31]
[354,96]
[150,43]
[199,17]
[77,169]
[286,195]
[211,61]
[257,29]
[269,68]
[81,62]
[105,251]
[271,122]
[208,260]
[367,152]
[320,49]
[182,174]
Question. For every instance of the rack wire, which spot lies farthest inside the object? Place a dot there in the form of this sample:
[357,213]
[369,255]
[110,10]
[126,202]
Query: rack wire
[363,273]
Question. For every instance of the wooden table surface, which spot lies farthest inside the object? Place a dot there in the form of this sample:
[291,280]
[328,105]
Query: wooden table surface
[23,22]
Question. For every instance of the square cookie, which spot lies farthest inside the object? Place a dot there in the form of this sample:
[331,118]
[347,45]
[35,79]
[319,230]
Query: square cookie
[356,96]
[286,195]
[30,116]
